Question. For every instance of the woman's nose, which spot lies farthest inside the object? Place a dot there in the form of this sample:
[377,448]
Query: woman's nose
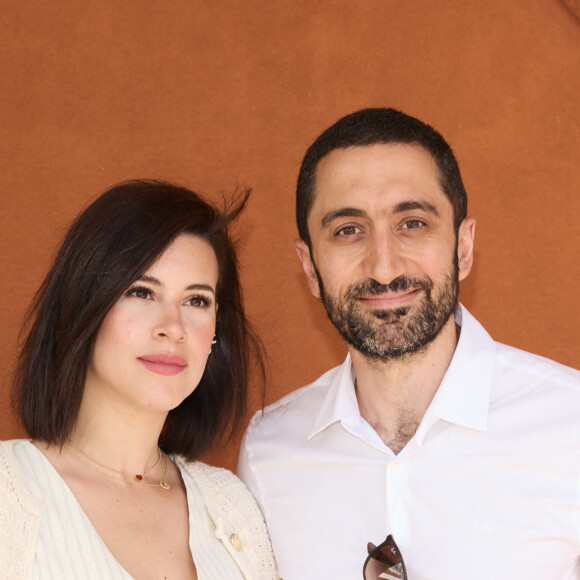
[171,325]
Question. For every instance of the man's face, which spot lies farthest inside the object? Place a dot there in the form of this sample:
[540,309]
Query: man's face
[385,259]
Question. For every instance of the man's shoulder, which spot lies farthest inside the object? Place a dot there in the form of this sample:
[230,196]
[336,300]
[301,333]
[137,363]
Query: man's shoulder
[298,406]
[524,366]
[479,355]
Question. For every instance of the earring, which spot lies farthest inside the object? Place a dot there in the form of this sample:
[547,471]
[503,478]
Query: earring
[214,341]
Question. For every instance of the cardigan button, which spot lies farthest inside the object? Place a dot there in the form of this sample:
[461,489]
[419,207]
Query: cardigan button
[236,542]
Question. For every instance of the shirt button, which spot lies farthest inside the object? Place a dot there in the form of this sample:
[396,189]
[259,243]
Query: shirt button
[236,542]
[396,465]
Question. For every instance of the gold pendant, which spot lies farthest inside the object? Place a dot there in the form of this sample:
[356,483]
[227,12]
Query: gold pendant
[164,484]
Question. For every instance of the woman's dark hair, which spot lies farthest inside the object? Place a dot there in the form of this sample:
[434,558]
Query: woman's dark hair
[371,127]
[109,246]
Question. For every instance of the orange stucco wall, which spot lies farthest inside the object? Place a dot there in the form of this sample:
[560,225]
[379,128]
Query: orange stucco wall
[215,94]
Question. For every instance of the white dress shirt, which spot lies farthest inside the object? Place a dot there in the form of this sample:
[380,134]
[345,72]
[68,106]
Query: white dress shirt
[487,489]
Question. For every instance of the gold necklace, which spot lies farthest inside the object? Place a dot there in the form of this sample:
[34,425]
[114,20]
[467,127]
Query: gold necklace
[139,479]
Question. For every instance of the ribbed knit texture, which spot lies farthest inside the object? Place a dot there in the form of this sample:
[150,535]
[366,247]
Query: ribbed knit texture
[45,534]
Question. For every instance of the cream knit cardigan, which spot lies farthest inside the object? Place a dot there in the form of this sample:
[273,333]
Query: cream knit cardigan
[238,521]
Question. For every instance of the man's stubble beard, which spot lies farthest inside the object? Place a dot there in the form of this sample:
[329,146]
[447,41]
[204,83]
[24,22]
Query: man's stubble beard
[384,334]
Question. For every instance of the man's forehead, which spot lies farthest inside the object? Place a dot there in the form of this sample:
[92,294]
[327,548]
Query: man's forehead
[389,156]
[396,173]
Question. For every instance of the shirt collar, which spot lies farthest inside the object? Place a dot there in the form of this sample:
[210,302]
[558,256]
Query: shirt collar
[462,398]
[340,403]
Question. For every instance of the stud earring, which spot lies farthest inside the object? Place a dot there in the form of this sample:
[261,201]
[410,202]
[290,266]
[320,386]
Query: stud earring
[214,341]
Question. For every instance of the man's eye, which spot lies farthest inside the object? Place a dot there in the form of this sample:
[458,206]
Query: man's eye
[348,231]
[413,225]
[139,292]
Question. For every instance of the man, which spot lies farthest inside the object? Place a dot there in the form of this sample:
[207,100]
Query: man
[464,450]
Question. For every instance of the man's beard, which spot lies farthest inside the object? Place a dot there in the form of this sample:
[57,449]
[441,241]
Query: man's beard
[392,333]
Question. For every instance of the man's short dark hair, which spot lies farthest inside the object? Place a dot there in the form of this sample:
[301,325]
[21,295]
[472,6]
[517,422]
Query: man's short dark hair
[372,127]
[109,246]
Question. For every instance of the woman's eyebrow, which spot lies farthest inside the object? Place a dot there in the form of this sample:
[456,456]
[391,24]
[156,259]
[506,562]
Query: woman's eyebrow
[149,280]
[156,282]
[201,287]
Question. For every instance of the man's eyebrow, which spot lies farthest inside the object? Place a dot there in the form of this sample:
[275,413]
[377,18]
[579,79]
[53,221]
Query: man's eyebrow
[341,212]
[410,205]
[156,282]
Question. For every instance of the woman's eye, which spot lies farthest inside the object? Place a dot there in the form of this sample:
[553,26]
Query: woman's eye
[143,293]
[199,301]
[413,225]
[348,231]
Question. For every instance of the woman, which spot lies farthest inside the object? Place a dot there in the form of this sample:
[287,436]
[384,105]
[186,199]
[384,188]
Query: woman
[135,362]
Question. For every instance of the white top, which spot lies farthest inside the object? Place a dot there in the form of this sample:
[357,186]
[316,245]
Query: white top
[488,488]
[69,547]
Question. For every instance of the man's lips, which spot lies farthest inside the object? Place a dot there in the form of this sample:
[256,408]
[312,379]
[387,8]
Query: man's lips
[163,364]
[390,299]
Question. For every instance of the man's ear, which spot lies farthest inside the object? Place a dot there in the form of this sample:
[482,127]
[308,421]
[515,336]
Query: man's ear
[465,238]
[303,252]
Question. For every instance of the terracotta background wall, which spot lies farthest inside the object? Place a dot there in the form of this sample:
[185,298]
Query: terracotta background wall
[217,93]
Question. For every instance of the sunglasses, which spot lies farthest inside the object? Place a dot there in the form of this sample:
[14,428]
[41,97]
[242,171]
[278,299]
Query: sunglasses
[384,562]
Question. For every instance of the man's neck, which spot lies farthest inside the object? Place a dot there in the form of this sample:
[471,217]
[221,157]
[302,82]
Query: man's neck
[393,395]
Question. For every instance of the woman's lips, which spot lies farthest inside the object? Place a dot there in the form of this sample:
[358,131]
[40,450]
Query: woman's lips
[164,364]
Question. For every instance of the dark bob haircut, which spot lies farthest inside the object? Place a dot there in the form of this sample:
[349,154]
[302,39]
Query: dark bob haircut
[372,127]
[109,246]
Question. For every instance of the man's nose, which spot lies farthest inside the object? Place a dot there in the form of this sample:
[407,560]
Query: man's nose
[384,260]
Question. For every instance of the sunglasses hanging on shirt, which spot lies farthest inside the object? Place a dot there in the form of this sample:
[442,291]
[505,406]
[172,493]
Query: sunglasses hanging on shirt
[384,562]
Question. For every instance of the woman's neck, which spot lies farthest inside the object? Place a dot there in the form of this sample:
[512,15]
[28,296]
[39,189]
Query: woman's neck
[124,442]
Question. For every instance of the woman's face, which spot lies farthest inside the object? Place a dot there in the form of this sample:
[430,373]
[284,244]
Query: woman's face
[153,345]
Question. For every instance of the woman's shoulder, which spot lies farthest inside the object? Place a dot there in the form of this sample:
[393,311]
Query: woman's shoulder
[13,488]
[10,473]
[237,517]
[7,466]
[217,475]
[20,514]
[215,482]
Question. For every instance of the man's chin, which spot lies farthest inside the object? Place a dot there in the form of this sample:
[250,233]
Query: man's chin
[384,345]
[394,316]
[393,352]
